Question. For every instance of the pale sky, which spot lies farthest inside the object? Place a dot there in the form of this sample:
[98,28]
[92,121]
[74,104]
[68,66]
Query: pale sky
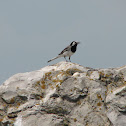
[34,31]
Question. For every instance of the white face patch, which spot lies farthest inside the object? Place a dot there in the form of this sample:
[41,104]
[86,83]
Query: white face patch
[73,43]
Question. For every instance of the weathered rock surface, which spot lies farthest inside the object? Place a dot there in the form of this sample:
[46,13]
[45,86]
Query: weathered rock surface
[65,94]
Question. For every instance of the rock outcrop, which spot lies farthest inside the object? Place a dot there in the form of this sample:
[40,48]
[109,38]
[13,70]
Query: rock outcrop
[65,94]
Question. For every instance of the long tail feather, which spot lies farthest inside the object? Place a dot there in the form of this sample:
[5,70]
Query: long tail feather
[53,59]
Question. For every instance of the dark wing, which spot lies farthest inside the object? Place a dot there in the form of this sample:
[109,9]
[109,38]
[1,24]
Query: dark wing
[66,49]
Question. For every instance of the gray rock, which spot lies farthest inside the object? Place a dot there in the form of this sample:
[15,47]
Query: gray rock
[9,97]
[65,94]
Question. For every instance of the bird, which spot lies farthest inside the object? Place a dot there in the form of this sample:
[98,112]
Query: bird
[68,51]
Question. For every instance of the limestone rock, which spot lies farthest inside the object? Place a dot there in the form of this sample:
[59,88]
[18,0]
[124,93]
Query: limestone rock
[65,94]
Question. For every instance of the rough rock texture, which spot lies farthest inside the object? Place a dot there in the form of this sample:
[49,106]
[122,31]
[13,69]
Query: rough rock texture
[65,94]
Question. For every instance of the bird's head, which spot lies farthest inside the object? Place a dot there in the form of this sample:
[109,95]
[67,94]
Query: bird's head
[74,43]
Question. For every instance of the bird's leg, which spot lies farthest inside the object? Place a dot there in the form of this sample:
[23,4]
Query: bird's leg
[69,59]
[65,58]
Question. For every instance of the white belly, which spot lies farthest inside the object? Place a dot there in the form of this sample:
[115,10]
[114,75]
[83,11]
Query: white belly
[68,53]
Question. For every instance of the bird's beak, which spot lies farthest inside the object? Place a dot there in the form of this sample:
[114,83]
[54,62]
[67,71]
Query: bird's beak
[78,42]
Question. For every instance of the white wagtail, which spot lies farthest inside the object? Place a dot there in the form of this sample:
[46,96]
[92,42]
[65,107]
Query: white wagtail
[68,51]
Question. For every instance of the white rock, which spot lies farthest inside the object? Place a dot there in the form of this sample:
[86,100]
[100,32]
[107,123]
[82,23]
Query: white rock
[95,75]
[65,94]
